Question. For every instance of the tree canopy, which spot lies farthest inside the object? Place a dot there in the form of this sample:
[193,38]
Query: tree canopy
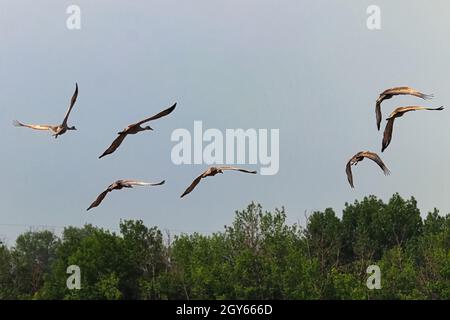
[258,256]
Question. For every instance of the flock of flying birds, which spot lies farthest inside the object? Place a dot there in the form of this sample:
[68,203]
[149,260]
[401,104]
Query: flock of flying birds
[57,130]
[387,136]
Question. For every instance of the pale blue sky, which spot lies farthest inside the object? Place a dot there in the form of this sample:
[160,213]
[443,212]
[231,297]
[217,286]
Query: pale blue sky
[309,68]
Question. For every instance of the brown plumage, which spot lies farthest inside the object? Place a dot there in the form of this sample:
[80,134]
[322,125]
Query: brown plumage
[56,130]
[397,113]
[389,93]
[120,184]
[210,172]
[135,128]
[360,157]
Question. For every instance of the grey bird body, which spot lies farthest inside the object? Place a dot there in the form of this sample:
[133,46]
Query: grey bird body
[389,93]
[56,130]
[211,172]
[134,129]
[118,185]
[360,157]
[397,113]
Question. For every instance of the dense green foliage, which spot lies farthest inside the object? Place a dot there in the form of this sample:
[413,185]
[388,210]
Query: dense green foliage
[259,256]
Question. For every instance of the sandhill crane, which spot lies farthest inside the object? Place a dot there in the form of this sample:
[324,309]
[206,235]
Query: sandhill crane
[360,157]
[135,128]
[397,113]
[389,93]
[118,185]
[56,130]
[210,172]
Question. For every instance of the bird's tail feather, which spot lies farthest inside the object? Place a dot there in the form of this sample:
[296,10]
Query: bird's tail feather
[435,109]
[426,96]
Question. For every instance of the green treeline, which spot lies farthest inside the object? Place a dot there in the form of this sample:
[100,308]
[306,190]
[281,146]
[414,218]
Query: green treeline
[258,256]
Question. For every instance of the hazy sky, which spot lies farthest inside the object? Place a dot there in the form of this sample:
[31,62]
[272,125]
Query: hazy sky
[309,68]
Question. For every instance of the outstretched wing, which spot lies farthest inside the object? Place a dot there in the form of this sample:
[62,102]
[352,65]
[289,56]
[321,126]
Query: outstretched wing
[386,94]
[415,108]
[236,169]
[374,157]
[387,135]
[159,115]
[192,186]
[378,113]
[116,143]
[99,199]
[348,171]
[72,102]
[141,183]
[32,126]
[407,90]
